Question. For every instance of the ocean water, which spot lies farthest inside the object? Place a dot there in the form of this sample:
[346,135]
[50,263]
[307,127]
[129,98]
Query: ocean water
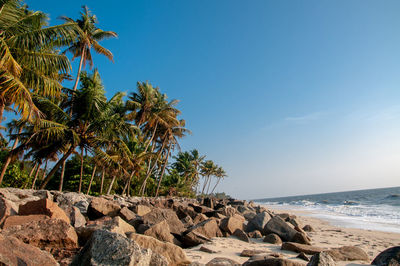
[371,209]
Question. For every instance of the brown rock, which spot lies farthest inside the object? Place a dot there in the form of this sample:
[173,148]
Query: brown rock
[241,235]
[222,262]
[296,247]
[390,257]
[348,253]
[141,210]
[45,234]
[251,252]
[7,208]
[230,224]
[303,256]
[258,222]
[308,228]
[255,234]
[321,259]
[158,215]
[201,233]
[271,261]
[22,219]
[100,207]
[278,226]
[15,252]
[44,206]
[200,209]
[200,218]
[127,214]
[207,250]
[182,211]
[301,238]
[187,221]
[273,239]
[174,254]
[161,232]
[74,214]
[228,211]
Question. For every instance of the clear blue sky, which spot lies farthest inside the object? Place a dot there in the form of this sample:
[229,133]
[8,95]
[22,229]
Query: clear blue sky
[290,97]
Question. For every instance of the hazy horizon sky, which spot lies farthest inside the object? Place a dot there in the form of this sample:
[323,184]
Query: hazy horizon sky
[289,97]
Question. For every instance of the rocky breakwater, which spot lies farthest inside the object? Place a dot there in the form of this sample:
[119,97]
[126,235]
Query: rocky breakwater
[50,228]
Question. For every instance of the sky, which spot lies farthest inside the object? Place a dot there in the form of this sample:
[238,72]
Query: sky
[289,97]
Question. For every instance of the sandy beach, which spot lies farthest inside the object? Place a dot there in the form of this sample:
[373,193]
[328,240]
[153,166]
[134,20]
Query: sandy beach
[325,235]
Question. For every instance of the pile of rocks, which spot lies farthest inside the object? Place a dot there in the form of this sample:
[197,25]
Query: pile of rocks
[50,227]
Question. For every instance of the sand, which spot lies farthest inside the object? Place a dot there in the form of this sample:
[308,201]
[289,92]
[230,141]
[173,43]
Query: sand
[325,235]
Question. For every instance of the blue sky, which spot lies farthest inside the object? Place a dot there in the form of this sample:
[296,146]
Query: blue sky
[290,97]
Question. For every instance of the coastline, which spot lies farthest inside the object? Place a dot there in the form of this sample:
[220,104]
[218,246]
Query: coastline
[325,235]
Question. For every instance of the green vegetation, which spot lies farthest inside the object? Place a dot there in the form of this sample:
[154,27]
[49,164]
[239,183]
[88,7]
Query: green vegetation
[77,139]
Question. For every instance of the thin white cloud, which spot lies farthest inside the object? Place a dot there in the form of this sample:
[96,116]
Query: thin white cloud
[305,118]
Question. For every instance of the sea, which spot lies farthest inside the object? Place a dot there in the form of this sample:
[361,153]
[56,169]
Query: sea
[370,209]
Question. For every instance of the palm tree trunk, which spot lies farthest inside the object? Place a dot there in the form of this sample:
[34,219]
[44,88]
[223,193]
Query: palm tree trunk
[36,175]
[128,192]
[111,185]
[143,187]
[80,178]
[62,176]
[91,179]
[216,184]
[55,168]
[209,183]
[163,170]
[205,184]
[102,180]
[80,68]
[7,162]
[152,137]
[128,183]
[44,170]
[30,175]
[2,107]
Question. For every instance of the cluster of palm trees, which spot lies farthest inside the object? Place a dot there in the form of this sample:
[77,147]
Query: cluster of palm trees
[127,143]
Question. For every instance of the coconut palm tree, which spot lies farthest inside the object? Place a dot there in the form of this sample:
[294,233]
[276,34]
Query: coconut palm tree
[219,174]
[88,39]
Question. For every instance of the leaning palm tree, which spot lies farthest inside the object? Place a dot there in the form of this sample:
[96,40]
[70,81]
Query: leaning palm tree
[208,169]
[88,39]
[29,61]
[219,174]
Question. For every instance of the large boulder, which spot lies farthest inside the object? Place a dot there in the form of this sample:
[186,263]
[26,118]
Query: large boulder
[46,234]
[322,259]
[348,253]
[174,254]
[389,257]
[258,222]
[45,207]
[78,200]
[241,235]
[278,226]
[100,207]
[161,232]
[15,252]
[230,224]
[222,262]
[74,214]
[7,208]
[271,261]
[158,215]
[141,210]
[127,214]
[296,247]
[22,219]
[22,196]
[272,239]
[228,211]
[201,233]
[107,248]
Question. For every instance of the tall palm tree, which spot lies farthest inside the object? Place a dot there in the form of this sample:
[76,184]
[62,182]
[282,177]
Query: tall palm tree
[208,169]
[219,174]
[29,61]
[88,39]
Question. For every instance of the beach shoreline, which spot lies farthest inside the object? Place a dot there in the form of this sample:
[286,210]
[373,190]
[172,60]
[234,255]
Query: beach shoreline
[325,235]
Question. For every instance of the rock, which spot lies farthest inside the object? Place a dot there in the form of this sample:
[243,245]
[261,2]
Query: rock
[209,202]
[241,235]
[321,259]
[45,234]
[201,233]
[303,256]
[249,215]
[43,206]
[390,257]
[294,222]
[251,252]
[182,211]
[7,208]
[161,232]
[296,247]
[158,260]
[258,222]
[74,214]
[308,228]
[348,253]
[228,211]
[141,210]
[174,254]
[73,199]
[271,261]
[273,239]
[107,248]
[284,216]
[100,207]
[207,250]
[15,252]
[200,218]
[127,214]
[200,209]
[22,196]
[158,215]
[278,226]
[222,262]
[255,234]
[301,238]
[187,221]
[22,219]
[230,224]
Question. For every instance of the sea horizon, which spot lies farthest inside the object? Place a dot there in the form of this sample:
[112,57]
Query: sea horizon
[368,209]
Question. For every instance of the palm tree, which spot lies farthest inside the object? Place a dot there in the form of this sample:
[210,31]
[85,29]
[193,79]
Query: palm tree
[208,169]
[29,61]
[219,174]
[88,39]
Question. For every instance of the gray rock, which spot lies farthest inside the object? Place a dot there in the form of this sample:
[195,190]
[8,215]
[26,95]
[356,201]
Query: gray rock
[241,235]
[278,226]
[73,199]
[390,257]
[271,261]
[272,239]
[106,248]
[158,260]
[127,214]
[321,259]
[258,222]
[222,262]
[296,247]
[158,215]
[348,253]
